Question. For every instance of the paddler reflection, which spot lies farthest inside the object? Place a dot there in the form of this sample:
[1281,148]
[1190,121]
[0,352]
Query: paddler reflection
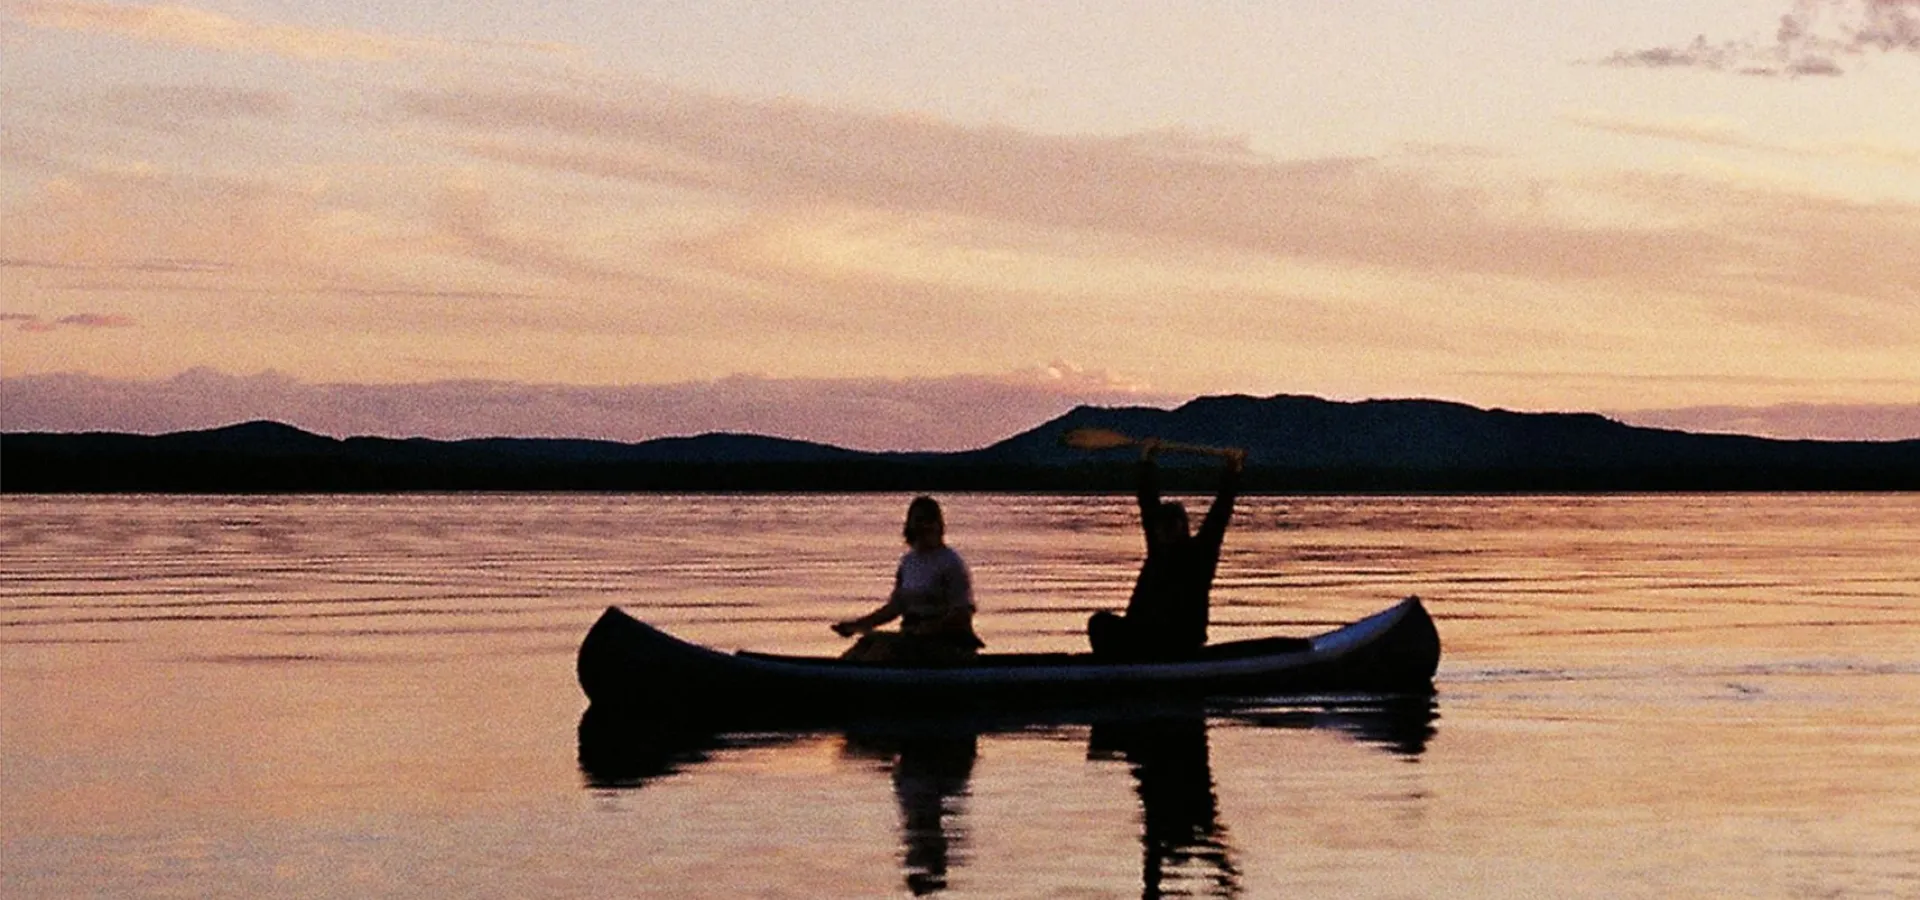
[1186,849]
[932,774]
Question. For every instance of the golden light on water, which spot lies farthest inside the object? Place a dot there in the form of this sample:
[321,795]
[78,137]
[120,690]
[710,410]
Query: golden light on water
[235,695]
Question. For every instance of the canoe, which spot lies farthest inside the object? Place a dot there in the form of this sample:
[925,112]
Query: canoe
[628,665]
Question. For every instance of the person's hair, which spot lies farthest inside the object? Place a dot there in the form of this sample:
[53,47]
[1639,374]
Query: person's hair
[1170,512]
[922,505]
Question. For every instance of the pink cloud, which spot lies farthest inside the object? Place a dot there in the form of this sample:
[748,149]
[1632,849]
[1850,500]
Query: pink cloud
[185,107]
[138,265]
[170,225]
[27,323]
[1163,191]
[96,320]
[36,324]
[1818,421]
[188,26]
[1168,188]
[942,413]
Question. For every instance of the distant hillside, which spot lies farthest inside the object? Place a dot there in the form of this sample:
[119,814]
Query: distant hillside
[276,457]
[1294,444]
[1307,433]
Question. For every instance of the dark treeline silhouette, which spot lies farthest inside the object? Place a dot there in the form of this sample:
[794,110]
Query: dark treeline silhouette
[1294,444]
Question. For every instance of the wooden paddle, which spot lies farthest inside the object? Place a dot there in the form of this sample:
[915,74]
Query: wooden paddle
[1108,439]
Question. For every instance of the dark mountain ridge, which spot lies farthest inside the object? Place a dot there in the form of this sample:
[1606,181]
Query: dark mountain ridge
[1294,443]
[1299,432]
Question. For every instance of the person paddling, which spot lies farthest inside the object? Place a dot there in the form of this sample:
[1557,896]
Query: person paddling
[1166,617]
[932,597]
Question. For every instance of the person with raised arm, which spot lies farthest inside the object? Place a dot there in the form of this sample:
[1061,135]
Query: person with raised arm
[1166,617]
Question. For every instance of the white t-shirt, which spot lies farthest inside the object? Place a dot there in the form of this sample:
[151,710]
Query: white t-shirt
[929,585]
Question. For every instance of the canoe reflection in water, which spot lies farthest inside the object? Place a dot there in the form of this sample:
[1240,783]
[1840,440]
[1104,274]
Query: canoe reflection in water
[1186,849]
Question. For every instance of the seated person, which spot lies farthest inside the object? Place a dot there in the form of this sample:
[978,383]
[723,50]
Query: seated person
[932,597]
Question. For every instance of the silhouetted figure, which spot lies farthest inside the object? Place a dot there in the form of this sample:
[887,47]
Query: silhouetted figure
[930,781]
[932,772]
[1167,615]
[1184,849]
[932,597]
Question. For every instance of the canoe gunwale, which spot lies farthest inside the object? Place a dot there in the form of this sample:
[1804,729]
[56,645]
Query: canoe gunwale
[1328,646]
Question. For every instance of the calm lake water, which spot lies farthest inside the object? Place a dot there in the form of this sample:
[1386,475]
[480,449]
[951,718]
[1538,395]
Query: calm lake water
[1642,696]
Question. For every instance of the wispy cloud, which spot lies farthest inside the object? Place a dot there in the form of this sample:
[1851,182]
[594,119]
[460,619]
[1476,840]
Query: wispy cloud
[185,107]
[1816,421]
[136,265]
[718,229]
[96,320]
[26,145]
[467,218]
[1717,132]
[943,413]
[1166,188]
[39,324]
[1813,38]
[188,26]
[1168,194]
[1784,383]
[155,227]
[1730,134]
[25,322]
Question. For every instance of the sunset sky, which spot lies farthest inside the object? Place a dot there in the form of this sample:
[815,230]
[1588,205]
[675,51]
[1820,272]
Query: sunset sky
[913,225]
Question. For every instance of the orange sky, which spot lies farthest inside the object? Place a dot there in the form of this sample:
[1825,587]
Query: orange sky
[1629,208]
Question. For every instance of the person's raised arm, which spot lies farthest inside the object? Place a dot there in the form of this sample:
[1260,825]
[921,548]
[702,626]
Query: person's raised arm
[1148,489]
[1220,514]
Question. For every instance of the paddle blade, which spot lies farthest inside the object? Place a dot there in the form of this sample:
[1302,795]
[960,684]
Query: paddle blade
[1095,439]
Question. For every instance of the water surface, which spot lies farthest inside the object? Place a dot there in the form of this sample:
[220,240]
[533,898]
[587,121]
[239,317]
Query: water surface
[1642,696]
